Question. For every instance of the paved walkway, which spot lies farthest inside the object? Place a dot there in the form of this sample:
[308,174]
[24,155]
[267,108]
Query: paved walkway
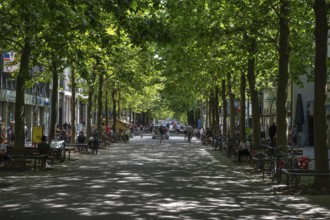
[146,180]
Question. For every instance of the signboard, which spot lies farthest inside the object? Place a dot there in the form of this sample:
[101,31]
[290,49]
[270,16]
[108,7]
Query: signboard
[9,65]
[36,134]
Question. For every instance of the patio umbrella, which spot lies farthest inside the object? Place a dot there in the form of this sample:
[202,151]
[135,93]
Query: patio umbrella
[299,117]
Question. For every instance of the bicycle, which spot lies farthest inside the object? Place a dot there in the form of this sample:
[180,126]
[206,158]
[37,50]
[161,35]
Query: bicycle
[293,163]
[231,147]
[278,162]
[216,142]
[266,160]
[275,170]
[106,140]
[258,161]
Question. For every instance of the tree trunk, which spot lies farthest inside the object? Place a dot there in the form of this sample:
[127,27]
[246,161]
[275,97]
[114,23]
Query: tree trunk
[254,94]
[106,109]
[207,113]
[196,119]
[283,75]
[131,116]
[114,110]
[22,76]
[215,107]
[119,107]
[99,103]
[224,106]
[201,107]
[54,102]
[231,107]
[320,75]
[210,112]
[242,105]
[90,105]
[73,105]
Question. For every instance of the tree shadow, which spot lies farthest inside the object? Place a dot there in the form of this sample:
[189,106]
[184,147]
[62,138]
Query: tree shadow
[146,180]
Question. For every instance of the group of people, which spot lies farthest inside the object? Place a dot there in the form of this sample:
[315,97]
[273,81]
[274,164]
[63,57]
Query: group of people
[43,148]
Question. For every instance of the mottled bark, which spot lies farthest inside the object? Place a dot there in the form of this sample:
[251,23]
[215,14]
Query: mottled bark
[224,108]
[90,104]
[320,74]
[73,105]
[231,107]
[114,110]
[254,93]
[242,106]
[283,75]
[216,109]
[54,101]
[99,103]
[22,76]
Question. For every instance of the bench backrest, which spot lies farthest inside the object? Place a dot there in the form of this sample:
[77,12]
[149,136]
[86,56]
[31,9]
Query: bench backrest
[21,151]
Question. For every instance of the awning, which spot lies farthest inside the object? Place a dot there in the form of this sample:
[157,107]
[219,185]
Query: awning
[120,125]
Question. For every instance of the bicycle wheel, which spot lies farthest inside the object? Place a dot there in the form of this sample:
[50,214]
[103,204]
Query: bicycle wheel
[293,164]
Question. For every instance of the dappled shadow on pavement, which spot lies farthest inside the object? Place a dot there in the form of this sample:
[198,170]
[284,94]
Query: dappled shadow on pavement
[148,180]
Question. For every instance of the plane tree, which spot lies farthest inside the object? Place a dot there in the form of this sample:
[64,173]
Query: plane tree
[321,9]
[21,31]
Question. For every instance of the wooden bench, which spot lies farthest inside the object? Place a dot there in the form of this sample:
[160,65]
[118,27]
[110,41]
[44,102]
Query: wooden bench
[83,148]
[69,150]
[21,156]
[295,174]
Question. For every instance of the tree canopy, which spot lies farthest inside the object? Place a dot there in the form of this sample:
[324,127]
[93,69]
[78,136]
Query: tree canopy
[167,57]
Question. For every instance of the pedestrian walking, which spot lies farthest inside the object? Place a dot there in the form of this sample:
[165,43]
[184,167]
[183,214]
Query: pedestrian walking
[161,133]
[189,131]
[272,133]
[141,131]
[294,135]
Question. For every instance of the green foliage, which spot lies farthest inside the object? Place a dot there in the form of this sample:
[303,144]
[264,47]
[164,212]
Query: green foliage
[164,56]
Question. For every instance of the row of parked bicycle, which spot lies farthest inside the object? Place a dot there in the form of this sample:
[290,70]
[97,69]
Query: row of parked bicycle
[268,159]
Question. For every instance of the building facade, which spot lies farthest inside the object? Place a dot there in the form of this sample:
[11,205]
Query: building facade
[37,102]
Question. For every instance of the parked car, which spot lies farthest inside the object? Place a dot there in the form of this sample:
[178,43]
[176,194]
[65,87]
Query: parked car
[155,133]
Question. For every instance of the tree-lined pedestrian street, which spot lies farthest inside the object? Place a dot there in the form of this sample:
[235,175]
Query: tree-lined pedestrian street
[148,180]
[228,69]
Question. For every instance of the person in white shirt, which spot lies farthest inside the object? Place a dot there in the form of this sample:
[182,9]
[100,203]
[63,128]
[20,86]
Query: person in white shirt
[244,149]
[189,131]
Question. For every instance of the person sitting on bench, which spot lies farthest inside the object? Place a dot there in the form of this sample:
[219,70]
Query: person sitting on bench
[4,157]
[44,147]
[81,138]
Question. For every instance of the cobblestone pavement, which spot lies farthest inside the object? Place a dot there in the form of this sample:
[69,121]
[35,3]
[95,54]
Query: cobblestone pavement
[148,180]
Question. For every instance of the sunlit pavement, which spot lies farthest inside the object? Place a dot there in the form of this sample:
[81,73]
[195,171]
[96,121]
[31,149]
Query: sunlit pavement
[148,180]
